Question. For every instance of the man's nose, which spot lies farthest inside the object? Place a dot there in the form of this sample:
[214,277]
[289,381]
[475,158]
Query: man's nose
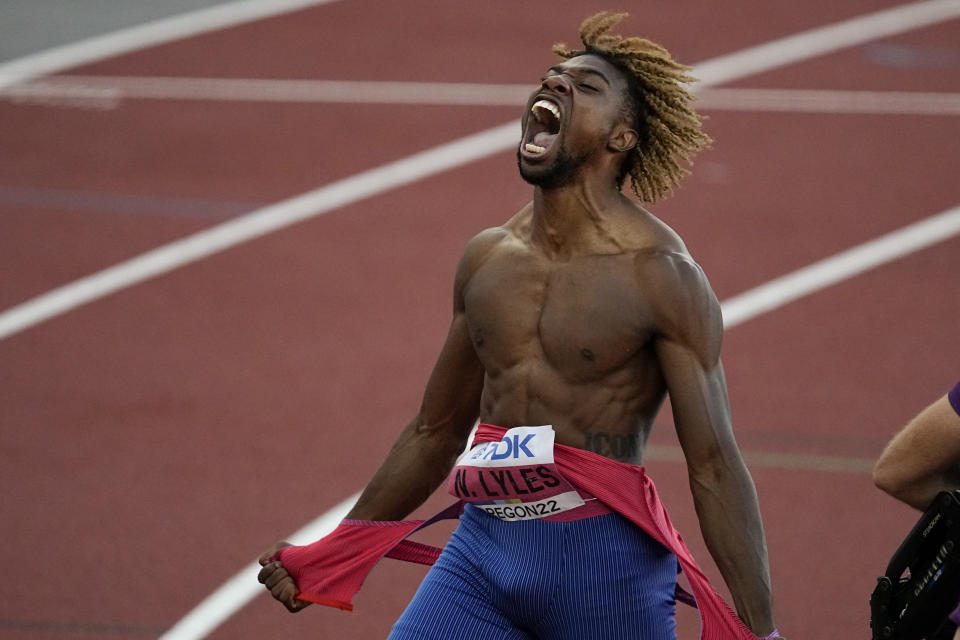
[556,83]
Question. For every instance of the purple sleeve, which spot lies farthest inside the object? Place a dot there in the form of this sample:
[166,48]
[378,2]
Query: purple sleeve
[954,397]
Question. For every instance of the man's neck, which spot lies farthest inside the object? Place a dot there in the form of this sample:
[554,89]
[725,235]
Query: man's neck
[572,219]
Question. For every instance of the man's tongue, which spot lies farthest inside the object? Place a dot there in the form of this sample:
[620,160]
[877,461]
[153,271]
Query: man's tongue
[544,139]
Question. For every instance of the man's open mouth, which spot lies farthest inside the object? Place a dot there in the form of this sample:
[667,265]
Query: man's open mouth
[542,127]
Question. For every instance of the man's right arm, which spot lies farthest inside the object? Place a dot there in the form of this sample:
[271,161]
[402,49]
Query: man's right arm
[427,448]
[419,460]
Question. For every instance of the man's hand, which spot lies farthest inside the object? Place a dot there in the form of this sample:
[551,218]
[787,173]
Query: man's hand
[278,582]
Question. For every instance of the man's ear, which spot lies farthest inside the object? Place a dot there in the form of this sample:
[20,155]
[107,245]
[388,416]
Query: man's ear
[622,139]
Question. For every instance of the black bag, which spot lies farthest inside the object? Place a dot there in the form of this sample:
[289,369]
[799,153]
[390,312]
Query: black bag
[915,606]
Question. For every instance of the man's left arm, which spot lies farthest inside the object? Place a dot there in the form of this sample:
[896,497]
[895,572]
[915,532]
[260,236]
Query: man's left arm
[689,334]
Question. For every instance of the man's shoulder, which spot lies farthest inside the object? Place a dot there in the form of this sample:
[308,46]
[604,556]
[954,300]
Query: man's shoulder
[481,245]
[658,251]
[683,303]
[487,240]
[673,283]
[673,275]
[670,264]
[484,245]
[481,248]
[643,233]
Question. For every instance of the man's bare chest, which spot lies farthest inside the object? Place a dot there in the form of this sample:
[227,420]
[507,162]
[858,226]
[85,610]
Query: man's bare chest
[583,315]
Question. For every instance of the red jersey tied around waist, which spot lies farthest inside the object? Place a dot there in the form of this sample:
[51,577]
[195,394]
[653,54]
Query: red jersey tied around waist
[331,570]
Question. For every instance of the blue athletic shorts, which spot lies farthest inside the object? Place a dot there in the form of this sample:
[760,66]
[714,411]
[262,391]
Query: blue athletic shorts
[598,577]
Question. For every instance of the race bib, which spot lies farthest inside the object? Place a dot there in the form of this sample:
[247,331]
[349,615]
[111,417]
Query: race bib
[514,478]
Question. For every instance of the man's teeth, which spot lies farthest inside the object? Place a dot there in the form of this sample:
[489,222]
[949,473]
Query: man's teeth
[545,104]
[539,110]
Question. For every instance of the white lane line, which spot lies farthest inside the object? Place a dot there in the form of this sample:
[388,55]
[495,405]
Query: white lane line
[216,608]
[831,101]
[822,40]
[421,165]
[206,618]
[106,92]
[847,264]
[145,35]
[115,88]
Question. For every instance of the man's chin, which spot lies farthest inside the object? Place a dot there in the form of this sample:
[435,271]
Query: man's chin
[550,176]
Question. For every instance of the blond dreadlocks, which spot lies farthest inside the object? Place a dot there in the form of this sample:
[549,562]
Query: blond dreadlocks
[669,128]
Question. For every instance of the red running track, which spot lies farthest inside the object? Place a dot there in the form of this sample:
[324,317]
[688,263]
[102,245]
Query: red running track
[156,440]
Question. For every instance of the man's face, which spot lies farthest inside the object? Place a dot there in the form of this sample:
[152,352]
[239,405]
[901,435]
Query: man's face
[569,118]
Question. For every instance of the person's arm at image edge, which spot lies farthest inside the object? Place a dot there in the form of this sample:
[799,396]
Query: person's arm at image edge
[923,458]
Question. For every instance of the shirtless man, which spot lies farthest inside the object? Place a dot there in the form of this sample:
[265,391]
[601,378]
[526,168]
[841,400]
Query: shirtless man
[582,312]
